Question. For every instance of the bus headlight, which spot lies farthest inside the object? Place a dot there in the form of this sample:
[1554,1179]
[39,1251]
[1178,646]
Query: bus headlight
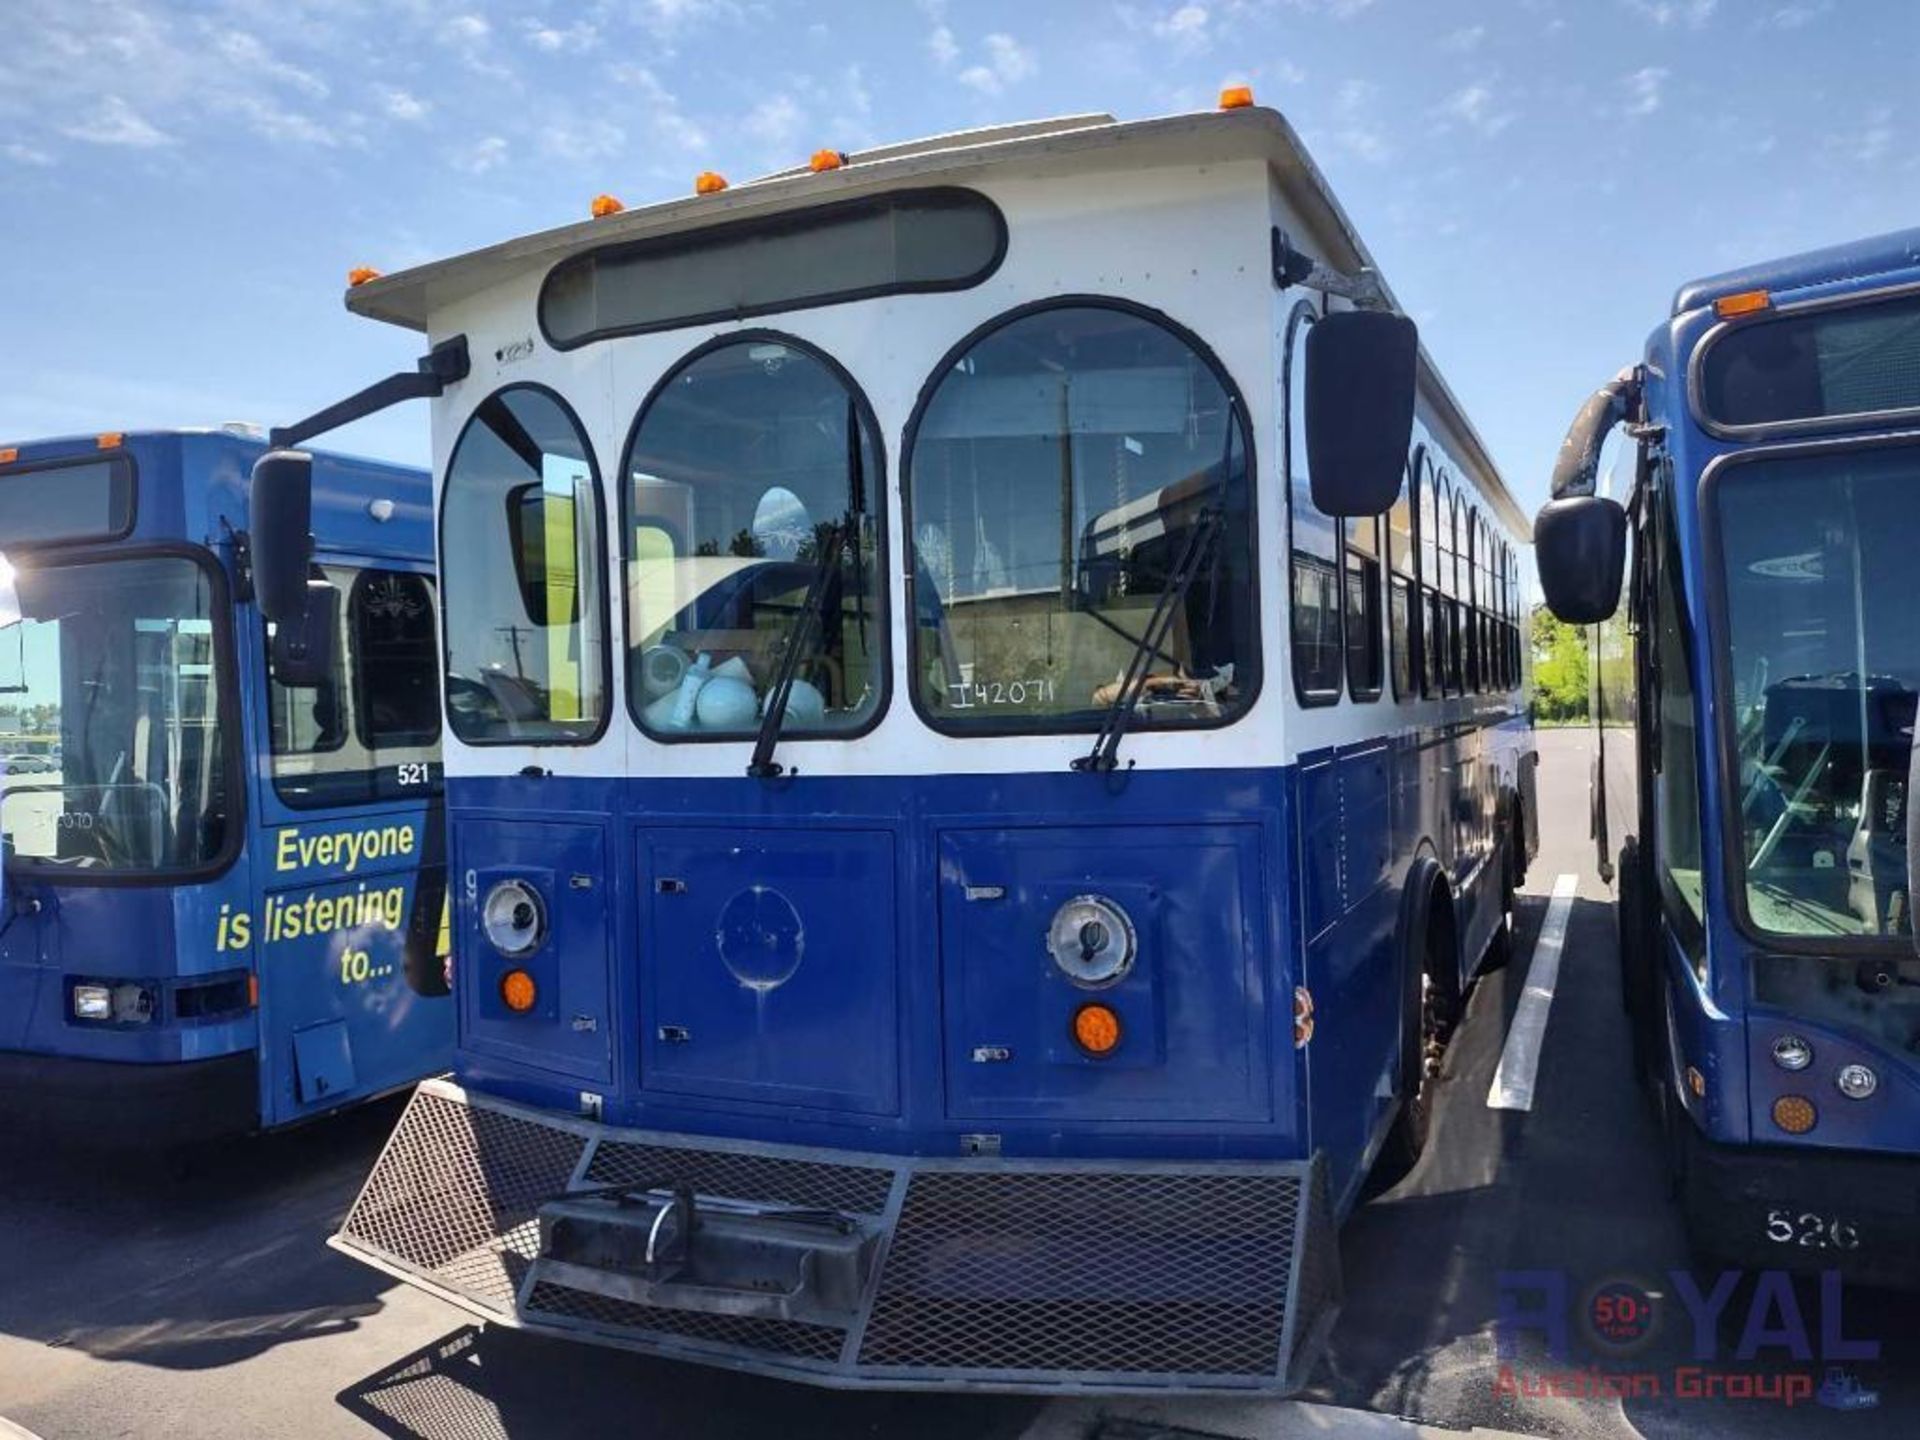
[1092,941]
[92,1002]
[514,918]
[128,1003]
[1856,1082]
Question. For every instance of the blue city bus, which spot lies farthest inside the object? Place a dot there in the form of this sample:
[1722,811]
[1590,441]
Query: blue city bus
[224,849]
[976,898]
[1755,713]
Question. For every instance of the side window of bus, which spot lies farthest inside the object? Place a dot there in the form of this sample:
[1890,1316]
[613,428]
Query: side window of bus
[524,576]
[1314,579]
[1433,626]
[1403,593]
[1676,781]
[372,730]
[1360,574]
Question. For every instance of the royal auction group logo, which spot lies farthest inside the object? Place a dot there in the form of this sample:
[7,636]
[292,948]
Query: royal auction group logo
[1780,1342]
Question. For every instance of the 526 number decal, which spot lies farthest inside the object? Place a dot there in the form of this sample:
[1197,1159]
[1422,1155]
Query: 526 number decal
[1812,1232]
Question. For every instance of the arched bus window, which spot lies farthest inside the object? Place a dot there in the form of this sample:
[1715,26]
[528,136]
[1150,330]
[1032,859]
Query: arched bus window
[1455,514]
[1490,645]
[1403,586]
[1061,463]
[1360,579]
[754,470]
[1314,565]
[521,576]
[1470,593]
[1499,563]
[1433,655]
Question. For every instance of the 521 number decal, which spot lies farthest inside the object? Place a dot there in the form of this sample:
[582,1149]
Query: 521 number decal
[414,772]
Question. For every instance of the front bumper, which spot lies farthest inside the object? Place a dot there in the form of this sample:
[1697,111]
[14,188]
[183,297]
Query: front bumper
[134,1105]
[1083,1276]
[1804,1210]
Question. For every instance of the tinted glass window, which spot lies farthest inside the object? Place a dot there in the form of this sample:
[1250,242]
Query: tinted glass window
[1062,468]
[1365,661]
[372,731]
[929,240]
[753,473]
[1850,361]
[1402,602]
[111,679]
[92,500]
[521,573]
[1318,656]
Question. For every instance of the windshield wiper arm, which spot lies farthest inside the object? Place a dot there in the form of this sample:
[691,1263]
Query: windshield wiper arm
[799,639]
[1104,755]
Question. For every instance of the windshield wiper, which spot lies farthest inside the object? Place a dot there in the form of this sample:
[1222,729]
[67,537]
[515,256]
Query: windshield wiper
[763,766]
[1104,755]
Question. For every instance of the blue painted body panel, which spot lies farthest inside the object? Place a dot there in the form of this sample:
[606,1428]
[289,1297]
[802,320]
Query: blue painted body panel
[1717,1025]
[326,937]
[861,962]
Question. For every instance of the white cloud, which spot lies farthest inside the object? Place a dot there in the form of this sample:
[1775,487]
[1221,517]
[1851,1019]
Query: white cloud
[1185,29]
[1363,143]
[114,122]
[1338,9]
[944,47]
[1476,107]
[1645,89]
[1356,94]
[669,17]
[466,30]
[1873,142]
[1465,40]
[1008,63]
[402,105]
[252,59]
[25,154]
[481,156]
[575,39]
[666,121]
[1796,16]
[776,121]
[587,138]
[1666,13]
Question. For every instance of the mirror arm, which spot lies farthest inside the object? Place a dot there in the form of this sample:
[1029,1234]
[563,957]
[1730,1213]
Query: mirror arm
[440,367]
[1295,267]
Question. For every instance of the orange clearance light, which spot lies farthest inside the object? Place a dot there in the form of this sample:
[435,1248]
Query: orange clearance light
[8,455]
[518,990]
[709,182]
[253,991]
[109,440]
[1096,1029]
[1747,302]
[1697,1083]
[360,275]
[1794,1114]
[605,205]
[1236,97]
[827,160]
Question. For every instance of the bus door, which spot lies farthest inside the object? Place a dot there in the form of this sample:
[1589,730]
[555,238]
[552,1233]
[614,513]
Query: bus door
[349,932]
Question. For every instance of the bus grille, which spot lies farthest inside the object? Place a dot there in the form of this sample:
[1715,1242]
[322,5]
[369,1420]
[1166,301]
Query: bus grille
[1002,1274]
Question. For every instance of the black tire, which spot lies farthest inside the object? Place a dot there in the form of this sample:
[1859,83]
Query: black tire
[1430,1010]
[1500,947]
[1639,992]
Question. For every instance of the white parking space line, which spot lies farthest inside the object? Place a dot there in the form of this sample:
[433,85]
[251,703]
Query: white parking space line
[1520,1062]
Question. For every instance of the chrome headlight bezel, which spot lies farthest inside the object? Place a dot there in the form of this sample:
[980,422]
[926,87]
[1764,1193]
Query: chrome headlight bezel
[513,917]
[1093,941]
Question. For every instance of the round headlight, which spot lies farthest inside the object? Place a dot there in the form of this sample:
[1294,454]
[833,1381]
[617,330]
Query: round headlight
[514,918]
[1091,940]
[1790,1052]
[1856,1082]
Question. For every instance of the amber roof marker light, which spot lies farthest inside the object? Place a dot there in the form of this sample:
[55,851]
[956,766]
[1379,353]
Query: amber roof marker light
[1747,302]
[605,205]
[1236,97]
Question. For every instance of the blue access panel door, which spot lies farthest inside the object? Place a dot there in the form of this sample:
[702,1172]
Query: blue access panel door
[568,1030]
[768,966]
[346,939]
[1192,1006]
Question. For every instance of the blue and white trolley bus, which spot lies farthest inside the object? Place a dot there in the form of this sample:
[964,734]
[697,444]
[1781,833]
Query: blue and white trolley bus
[953,849]
[224,864]
[1756,719]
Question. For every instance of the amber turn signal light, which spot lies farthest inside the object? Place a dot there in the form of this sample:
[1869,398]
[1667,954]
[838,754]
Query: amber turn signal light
[518,991]
[1794,1114]
[1747,302]
[1096,1029]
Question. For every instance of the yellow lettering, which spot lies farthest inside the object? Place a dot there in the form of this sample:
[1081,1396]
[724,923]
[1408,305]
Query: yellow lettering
[240,932]
[286,855]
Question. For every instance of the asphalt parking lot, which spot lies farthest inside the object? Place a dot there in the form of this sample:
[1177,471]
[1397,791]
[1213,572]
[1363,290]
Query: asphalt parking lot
[134,1302]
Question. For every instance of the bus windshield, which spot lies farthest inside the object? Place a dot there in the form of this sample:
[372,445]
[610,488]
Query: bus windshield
[109,718]
[1825,665]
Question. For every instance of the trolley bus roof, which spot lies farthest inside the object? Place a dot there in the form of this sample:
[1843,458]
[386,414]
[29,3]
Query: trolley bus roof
[1092,142]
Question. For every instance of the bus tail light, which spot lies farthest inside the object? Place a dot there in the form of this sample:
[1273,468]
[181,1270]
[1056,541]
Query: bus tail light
[1096,1029]
[1794,1114]
[518,992]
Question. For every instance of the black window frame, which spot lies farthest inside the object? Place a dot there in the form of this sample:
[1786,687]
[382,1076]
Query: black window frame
[592,458]
[360,715]
[1136,724]
[877,493]
[1353,565]
[771,226]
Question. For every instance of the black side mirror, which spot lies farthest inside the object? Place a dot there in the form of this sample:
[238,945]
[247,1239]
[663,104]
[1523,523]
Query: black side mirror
[304,644]
[280,539]
[1580,546]
[1361,373]
[528,533]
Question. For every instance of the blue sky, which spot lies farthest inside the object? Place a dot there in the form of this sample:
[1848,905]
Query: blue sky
[184,187]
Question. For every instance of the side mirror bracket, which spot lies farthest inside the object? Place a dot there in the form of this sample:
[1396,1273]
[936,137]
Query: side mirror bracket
[304,645]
